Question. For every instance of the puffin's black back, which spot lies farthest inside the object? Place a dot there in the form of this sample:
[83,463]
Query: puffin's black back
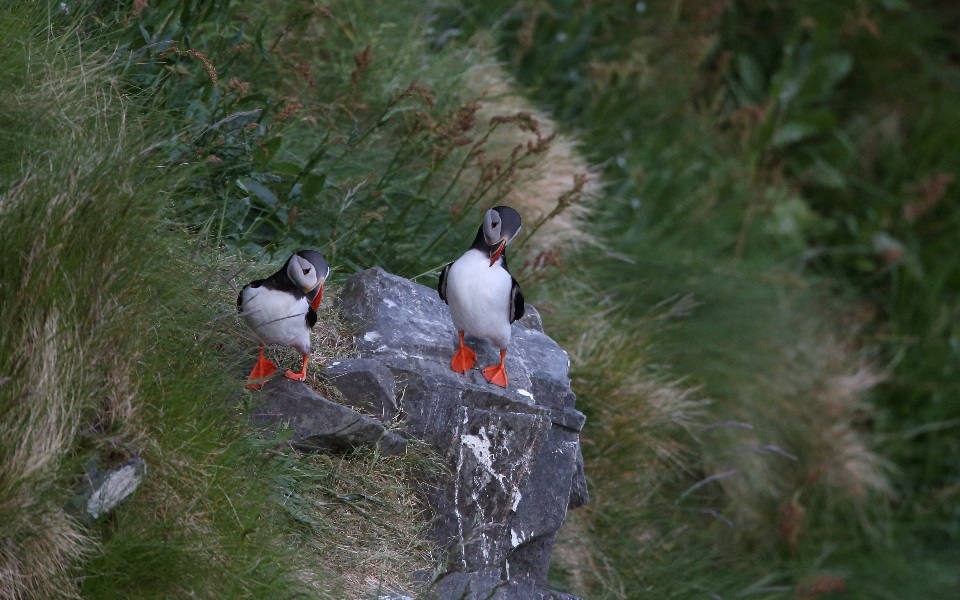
[518,306]
[279,281]
[442,282]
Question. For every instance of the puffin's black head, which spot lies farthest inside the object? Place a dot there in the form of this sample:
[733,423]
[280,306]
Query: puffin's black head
[308,270]
[500,225]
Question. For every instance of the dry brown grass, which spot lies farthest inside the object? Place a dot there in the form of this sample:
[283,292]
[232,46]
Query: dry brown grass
[542,192]
[39,541]
[66,372]
[807,441]
[369,532]
[844,460]
[639,447]
[769,466]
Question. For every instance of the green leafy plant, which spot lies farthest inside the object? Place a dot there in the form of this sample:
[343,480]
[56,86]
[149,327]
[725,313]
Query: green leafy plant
[753,172]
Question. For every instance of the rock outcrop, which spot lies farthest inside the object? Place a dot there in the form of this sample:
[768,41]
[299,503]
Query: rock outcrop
[514,453]
[319,424]
[364,384]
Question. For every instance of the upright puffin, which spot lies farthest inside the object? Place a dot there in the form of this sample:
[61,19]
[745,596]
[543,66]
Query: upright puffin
[282,309]
[484,298]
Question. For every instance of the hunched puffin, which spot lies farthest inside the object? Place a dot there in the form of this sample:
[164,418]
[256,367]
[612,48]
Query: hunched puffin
[484,298]
[282,309]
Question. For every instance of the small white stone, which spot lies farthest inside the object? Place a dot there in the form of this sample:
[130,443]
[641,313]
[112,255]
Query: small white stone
[371,336]
[118,487]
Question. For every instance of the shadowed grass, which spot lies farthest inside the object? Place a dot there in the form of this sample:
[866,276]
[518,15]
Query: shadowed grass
[66,296]
[341,127]
[369,131]
[246,517]
[717,198]
[114,345]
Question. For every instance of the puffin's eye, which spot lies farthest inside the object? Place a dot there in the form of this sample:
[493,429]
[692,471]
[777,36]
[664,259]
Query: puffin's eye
[495,224]
[306,271]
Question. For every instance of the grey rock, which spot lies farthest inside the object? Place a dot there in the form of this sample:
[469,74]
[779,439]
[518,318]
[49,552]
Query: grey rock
[489,584]
[536,523]
[365,384]
[106,488]
[579,495]
[319,424]
[493,454]
[514,453]
[531,318]
[394,594]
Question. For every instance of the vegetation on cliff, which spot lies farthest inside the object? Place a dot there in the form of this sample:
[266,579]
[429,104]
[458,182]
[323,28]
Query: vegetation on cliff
[756,284]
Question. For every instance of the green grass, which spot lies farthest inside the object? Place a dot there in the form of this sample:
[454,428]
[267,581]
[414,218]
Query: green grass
[775,237]
[336,127]
[120,341]
[756,156]
[139,257]
[66,296]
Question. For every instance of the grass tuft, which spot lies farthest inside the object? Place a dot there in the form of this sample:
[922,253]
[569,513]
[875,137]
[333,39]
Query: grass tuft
[116,346]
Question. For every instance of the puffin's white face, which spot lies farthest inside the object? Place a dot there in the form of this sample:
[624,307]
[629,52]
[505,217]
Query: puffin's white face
[500,226]
[493,227]
[303,273]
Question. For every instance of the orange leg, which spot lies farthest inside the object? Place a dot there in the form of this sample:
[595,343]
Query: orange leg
[262,369]
[464,358]
[497,374]
[303,372]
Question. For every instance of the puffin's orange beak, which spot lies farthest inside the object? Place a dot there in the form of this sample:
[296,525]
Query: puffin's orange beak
[496,253]
[315,303]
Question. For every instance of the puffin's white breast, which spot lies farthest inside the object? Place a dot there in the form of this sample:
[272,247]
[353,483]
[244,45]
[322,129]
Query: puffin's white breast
[276,317]
[479,297]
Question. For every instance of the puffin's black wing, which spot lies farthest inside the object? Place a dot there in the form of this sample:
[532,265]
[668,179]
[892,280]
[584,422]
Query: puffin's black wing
[442,282]
[311,317]
[516,301]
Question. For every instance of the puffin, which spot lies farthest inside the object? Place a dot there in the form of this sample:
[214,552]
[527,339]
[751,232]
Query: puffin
[282,309]
[483,296]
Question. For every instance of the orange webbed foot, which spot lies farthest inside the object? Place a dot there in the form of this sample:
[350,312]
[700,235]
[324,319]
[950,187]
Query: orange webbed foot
[497,374]
[302,375]
[295,375]
[262,369]
[464,358]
